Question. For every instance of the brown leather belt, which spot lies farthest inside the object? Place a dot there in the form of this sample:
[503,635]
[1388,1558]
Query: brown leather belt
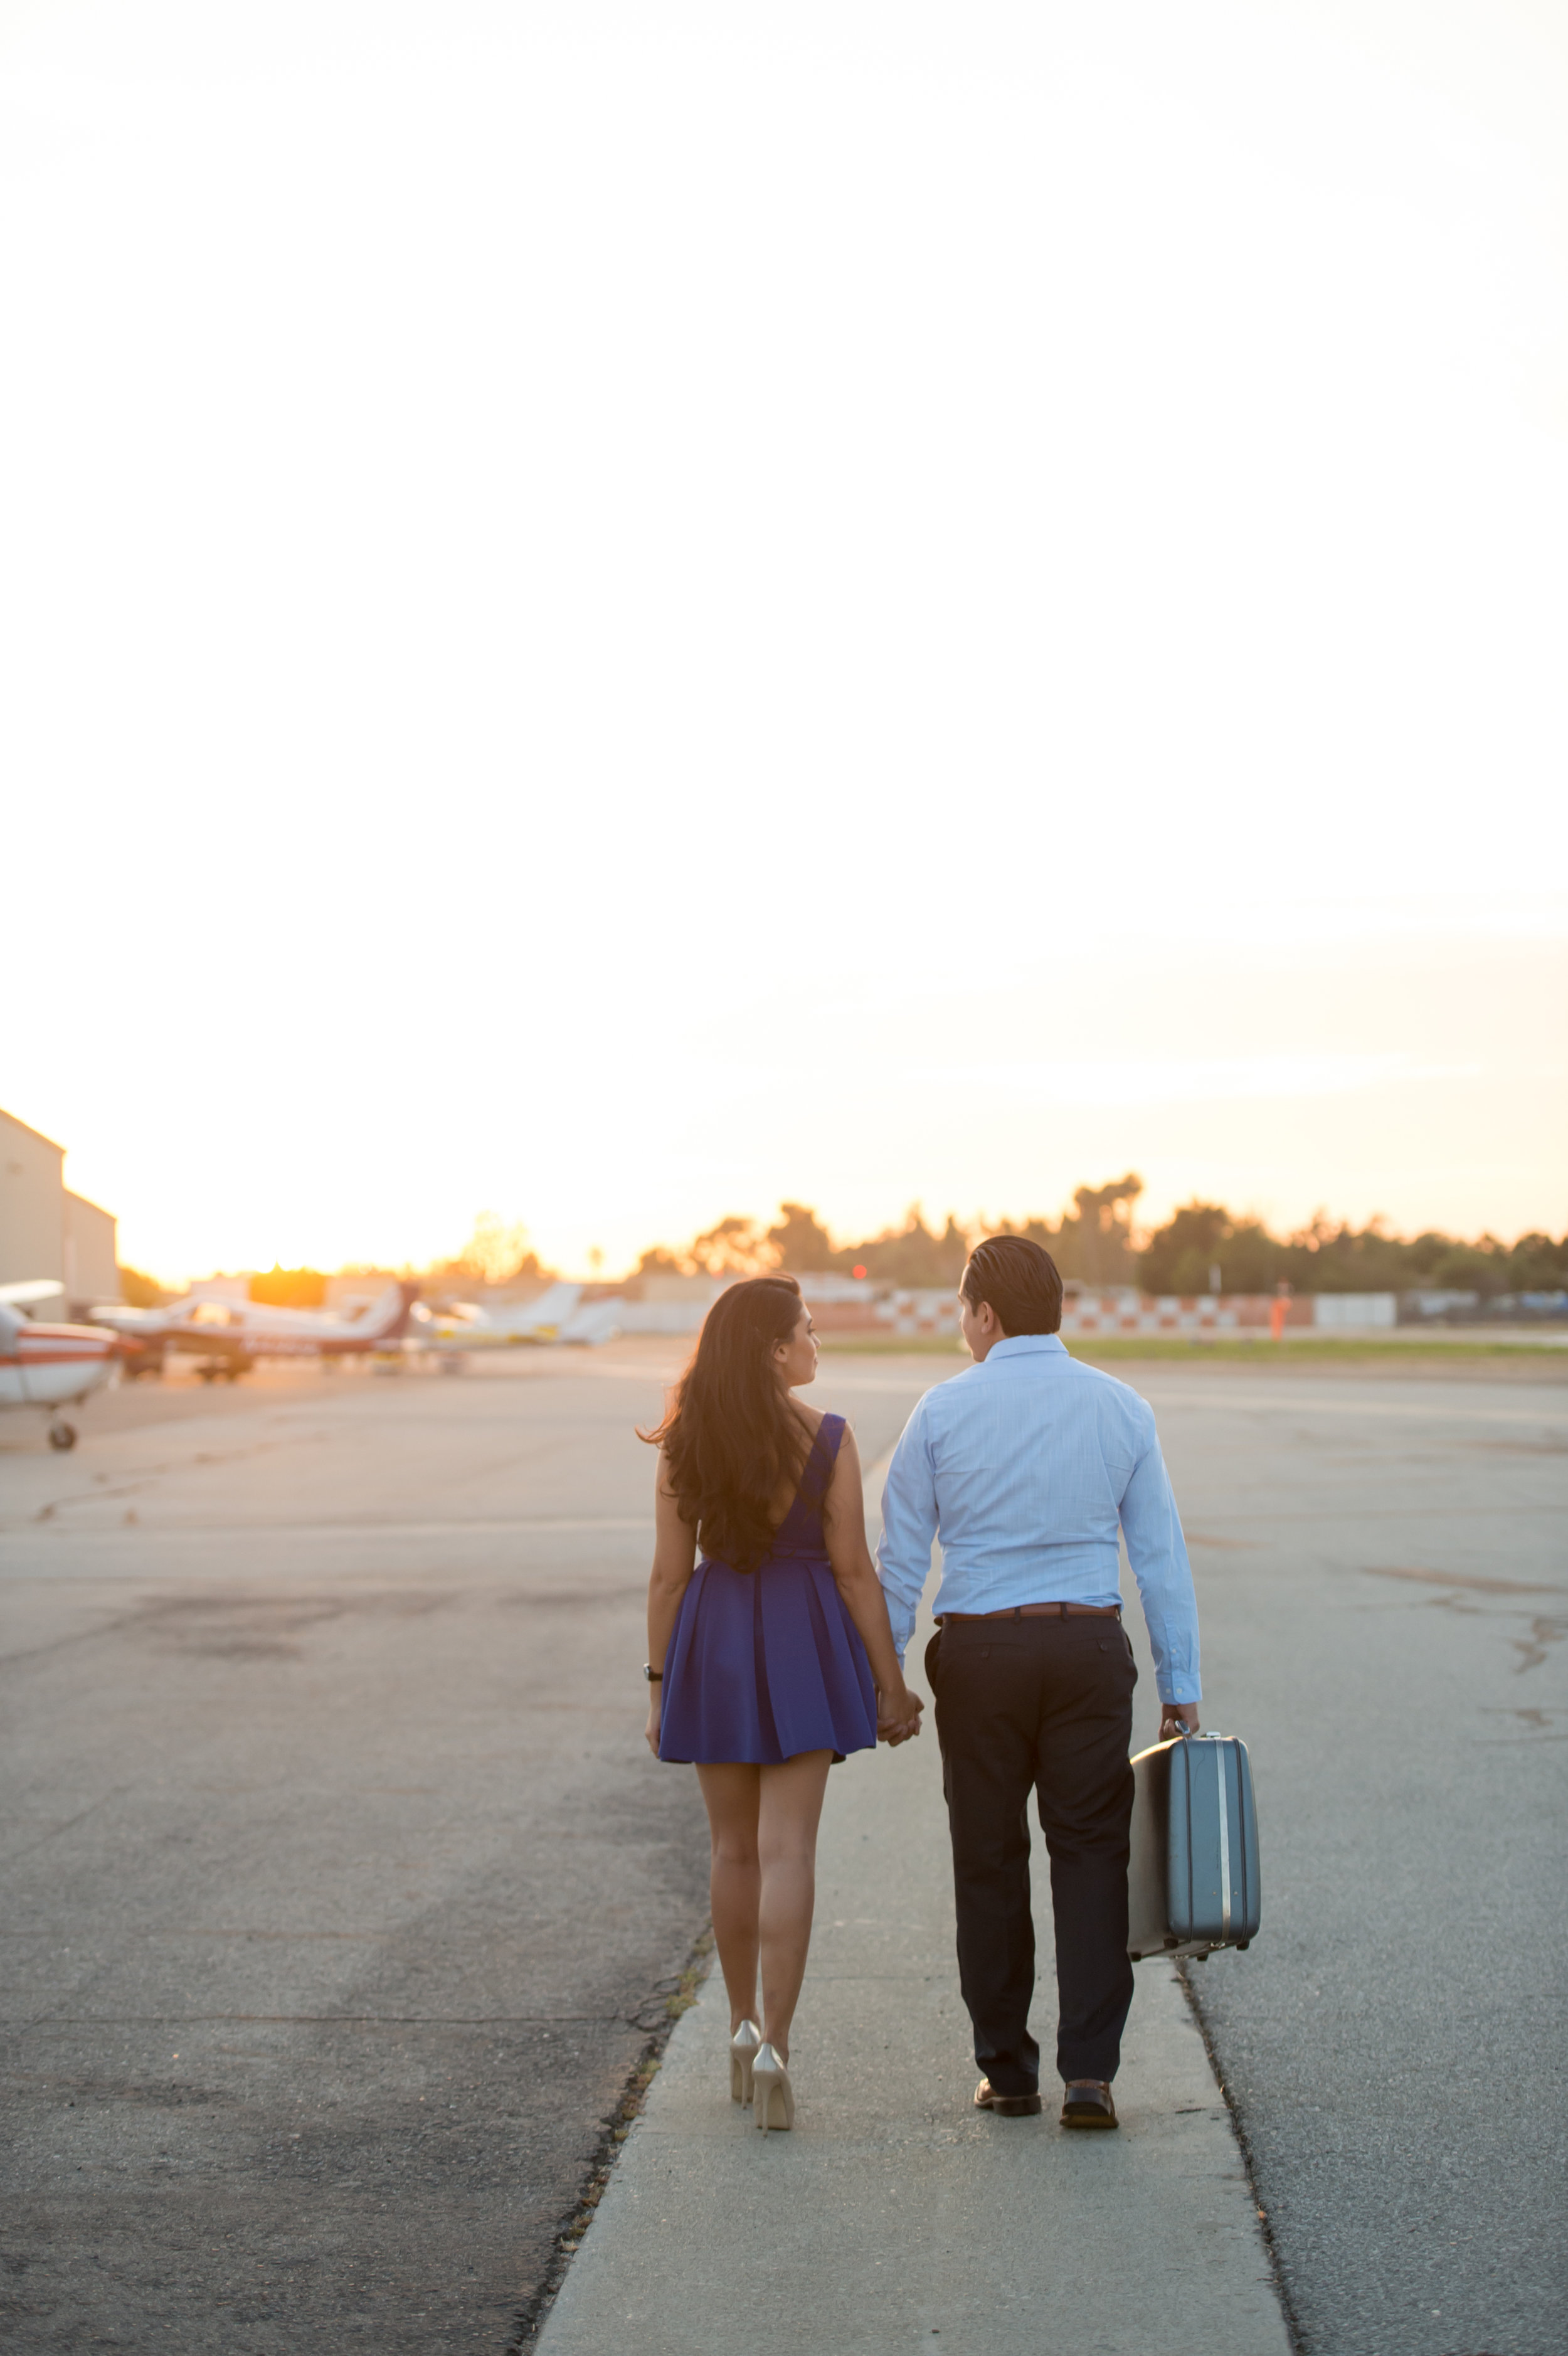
[1042,1612]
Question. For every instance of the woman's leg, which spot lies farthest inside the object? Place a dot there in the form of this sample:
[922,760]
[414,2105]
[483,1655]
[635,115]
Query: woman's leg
[791,1804]
[730,1794]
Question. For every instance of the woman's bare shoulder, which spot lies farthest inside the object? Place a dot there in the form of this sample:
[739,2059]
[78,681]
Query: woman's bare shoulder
[813,1417]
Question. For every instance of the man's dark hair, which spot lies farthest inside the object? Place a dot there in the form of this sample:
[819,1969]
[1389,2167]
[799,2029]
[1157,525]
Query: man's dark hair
[1021,1283]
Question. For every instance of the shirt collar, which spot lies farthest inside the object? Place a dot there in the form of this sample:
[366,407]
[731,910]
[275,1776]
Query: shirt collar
[1024,1345]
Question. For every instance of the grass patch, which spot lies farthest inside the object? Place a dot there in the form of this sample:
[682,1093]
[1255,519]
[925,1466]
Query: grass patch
[1308,1349]
[1332,1349]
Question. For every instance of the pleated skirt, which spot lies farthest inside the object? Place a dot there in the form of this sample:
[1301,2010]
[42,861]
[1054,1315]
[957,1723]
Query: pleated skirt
[764,1666]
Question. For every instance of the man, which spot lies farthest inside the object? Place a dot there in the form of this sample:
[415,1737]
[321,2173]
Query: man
[1024,1465]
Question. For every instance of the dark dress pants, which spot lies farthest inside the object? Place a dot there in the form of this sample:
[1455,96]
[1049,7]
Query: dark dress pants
[1044,1704]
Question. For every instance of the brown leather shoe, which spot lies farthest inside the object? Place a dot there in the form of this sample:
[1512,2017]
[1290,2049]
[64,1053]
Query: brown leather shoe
[1006,2106]
[1087,2103]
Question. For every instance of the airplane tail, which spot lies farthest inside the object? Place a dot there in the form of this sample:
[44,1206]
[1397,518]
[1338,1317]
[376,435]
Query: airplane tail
[386,1320]
[408,1293]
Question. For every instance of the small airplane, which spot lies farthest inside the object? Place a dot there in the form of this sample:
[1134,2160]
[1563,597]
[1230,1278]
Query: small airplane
[50,1366]
[462,1326]
[227,1337]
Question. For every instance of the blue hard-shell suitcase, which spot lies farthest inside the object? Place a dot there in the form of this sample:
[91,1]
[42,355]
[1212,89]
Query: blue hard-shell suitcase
[1192,1879]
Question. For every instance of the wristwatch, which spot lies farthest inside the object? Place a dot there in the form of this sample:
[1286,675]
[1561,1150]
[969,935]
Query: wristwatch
[653,1676]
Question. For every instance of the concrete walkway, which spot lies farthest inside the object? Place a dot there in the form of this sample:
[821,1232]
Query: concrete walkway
[895,2213]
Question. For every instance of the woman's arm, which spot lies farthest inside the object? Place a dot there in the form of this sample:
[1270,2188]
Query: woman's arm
[844,1526]
[675,1558]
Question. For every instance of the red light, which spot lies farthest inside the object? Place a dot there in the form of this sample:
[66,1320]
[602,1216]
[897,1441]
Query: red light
[857,1271]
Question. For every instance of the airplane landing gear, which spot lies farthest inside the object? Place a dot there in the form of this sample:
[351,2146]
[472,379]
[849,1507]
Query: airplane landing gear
[62,1435]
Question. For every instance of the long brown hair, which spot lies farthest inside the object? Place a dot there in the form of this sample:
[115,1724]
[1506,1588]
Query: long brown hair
[731,1436]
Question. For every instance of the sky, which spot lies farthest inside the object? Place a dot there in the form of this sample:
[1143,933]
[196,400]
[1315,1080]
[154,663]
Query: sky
[613,614]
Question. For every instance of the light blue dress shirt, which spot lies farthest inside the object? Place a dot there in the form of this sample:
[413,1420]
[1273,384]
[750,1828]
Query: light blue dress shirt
[1023,1466]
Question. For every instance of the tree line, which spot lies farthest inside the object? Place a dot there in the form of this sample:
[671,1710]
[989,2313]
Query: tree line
[1095,1241]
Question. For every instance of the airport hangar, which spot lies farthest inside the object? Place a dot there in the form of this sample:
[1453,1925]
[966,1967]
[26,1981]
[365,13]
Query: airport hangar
[45,1230]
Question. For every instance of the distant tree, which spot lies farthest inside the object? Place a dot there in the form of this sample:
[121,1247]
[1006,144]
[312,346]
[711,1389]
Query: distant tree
[913,1255]
[1104,1220]
[1538,1265]
[660,1262]
[1199,1237]
[289,1288]
[733,1247]
[1093,1241]
[800,1243]
[1481,1267]
[494,1253]
[739,1246]
[1192,1237]
[139,1292]
[1323,1258]
[493,1256]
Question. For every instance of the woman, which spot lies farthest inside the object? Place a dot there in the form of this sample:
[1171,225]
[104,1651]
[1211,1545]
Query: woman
[771,1657]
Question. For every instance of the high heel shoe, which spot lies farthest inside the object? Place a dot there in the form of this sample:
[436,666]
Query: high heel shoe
[743,2047]
[771,2094]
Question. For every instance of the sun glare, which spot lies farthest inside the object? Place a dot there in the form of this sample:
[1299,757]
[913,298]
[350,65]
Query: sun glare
[620,615]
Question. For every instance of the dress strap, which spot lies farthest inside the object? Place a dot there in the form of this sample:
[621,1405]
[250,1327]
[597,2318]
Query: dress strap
[817,1471]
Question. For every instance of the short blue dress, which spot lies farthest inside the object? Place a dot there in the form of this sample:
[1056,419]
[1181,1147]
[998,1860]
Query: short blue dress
[766,1663]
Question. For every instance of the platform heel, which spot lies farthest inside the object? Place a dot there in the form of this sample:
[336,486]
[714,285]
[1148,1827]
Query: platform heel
[773,2095]
[743,2048]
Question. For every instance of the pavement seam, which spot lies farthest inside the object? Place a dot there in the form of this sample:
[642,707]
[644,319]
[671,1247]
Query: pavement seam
[1266,2223]
[534,2312]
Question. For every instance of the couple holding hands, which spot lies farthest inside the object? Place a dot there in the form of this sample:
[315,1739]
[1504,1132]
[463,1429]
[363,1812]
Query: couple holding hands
[779,1649]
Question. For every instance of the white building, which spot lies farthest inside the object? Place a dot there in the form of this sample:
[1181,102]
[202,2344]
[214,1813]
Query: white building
[46,1231]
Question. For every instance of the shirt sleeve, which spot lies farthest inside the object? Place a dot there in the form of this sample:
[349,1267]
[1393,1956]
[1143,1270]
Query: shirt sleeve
[909,1527]
[1157,1552]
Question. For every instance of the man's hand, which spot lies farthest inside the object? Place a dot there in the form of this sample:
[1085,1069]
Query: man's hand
[1176,1717]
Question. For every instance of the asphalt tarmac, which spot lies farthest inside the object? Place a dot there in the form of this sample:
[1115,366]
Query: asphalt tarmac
[341,1896]
[1383,1587]
[339,1889]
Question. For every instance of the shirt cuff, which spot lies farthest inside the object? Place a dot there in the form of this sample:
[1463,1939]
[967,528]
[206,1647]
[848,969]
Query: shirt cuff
[1183,1690]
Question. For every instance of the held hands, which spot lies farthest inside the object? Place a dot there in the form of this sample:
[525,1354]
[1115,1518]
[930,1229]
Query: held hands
[897,1714]
[898,1718]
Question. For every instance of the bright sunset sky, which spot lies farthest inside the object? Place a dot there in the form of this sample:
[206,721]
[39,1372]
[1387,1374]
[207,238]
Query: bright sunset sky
[613,611]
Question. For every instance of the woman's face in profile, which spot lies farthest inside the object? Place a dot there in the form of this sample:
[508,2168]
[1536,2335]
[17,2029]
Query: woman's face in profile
[796,1358]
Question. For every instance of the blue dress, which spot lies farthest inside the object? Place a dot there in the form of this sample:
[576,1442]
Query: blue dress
[766,1663]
